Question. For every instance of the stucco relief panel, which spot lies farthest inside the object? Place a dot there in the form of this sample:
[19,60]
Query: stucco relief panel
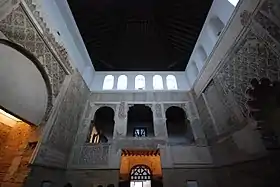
[59,48]
[92,155]
[252,59]
[122,110]
[68,118]
[18,28]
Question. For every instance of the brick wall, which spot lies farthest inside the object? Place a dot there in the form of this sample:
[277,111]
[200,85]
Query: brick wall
[15,153]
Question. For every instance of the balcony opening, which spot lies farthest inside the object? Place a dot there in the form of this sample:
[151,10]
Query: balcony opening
[140,121]
[102,126]
[178,127]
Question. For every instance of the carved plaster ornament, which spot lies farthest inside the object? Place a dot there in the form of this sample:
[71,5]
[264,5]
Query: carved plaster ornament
[6,7]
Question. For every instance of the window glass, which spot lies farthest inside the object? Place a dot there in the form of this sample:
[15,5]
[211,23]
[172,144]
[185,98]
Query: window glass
[171,82]
[108,83]
[122,82]
[157,82]
[140,132]
[139,82]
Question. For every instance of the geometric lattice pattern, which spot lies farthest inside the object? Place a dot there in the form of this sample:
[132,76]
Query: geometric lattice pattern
[256,56]
[18,28]
[140,172]
[253,60]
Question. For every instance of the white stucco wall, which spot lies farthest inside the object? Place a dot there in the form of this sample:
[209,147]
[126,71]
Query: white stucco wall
[23,89]
[97,82]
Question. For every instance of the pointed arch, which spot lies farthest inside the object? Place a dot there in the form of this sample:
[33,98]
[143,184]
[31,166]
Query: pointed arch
[171,82]
[108,83]
[122,82]
[140,82]
[157,82]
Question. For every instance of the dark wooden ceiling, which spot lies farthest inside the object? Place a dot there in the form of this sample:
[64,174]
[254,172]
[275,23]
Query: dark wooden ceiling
[134,35]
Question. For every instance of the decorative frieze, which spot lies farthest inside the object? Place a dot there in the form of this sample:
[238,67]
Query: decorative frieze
[92,155]
[59,48]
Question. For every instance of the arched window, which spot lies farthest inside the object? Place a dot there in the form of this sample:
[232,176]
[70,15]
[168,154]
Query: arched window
[139,82]
[122,82]
[233,2]
[108,83]
[171,82]
[157,82]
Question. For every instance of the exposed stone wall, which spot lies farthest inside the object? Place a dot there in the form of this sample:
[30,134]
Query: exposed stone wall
[15,153]
[61,128]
